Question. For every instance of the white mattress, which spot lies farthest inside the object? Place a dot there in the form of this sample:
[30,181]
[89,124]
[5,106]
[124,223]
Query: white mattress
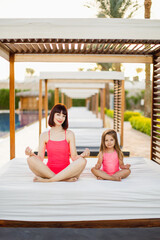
[136,197]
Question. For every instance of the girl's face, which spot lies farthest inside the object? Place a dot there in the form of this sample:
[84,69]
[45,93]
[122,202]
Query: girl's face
[59,118]
[109,141]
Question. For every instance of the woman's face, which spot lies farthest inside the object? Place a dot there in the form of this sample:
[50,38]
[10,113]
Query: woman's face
[59,118]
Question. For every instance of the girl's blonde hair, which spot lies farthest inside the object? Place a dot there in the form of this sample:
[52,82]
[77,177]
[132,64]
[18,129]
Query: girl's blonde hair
[112,133]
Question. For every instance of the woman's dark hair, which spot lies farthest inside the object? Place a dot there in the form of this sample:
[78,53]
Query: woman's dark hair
[58,108]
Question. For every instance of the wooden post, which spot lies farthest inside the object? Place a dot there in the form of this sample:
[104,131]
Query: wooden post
[46,101]
[97,105]
[40,105]
[107,99]
[86,100]
[92,103]
[122,109]
[62,98]
[56,96]
[12,107]
[103,105]
[70,102]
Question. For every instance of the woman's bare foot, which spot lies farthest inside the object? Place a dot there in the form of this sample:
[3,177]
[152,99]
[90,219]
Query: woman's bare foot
[38,179]
[100,178]
[73,179]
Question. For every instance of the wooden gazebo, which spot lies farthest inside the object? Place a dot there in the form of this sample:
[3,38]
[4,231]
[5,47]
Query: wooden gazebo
[83,40]
[29,100]
[117,78]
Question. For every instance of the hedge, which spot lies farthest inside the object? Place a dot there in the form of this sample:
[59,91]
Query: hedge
[141,124]
[127,114]
[4,98]
[109,112]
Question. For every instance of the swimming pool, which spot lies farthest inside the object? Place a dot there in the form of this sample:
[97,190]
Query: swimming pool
[21,119]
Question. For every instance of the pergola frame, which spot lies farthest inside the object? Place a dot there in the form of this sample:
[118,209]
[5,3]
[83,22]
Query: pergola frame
[84,40]
[117,78]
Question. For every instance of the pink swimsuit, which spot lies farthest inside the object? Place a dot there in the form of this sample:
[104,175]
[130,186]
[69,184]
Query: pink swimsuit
[110,163]
[58,154]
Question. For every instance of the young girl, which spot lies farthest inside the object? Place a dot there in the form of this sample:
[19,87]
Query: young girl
[60,145]
[111,159]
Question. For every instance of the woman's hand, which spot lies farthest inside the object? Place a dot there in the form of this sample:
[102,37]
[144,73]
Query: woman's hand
[86,153]
[28,151]
[125,166]
[98,166]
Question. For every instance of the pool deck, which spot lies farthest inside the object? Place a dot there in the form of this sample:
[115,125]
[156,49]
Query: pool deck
[134,141]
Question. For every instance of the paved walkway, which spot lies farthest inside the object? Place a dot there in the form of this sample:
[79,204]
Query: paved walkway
[137,143]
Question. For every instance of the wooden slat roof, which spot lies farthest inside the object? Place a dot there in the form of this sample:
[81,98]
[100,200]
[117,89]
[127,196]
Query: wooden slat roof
[80,36]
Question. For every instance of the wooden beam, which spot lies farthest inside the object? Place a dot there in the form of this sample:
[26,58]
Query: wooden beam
[46,101]
[12,107]
[40,106]
[90,58]
[4,53]
[123,223]
[80,80]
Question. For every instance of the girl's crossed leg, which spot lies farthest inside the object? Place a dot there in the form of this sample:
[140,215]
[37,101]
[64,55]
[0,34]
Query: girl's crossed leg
[102,175]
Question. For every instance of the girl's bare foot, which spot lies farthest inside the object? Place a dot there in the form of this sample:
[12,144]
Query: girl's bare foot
[116,178]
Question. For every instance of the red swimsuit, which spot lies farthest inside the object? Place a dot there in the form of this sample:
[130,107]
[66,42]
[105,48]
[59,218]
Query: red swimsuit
[58,154]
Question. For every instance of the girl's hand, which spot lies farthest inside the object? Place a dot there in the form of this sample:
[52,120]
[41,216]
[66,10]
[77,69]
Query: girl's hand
[86,153]
[28,151]
[98,166]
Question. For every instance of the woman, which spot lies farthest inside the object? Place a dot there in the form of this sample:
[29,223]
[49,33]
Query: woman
[60,145]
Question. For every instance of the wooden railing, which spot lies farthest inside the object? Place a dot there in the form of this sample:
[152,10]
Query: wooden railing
[155,132]
[118,108]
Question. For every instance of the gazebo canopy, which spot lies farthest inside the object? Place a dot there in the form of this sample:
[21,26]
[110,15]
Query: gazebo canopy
[80,77]
[79,93]
[26,37]
[79,85]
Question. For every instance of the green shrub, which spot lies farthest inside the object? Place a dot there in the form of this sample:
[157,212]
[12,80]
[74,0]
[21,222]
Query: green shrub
[129,114]
[4,98]
[141,124]
[109,112]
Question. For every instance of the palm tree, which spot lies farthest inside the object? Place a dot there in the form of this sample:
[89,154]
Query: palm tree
[147,96]
[30,71]
[113,9]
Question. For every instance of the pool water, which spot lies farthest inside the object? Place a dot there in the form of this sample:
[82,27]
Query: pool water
[21,119]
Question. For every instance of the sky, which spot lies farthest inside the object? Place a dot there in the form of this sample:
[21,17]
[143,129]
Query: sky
[59,9]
